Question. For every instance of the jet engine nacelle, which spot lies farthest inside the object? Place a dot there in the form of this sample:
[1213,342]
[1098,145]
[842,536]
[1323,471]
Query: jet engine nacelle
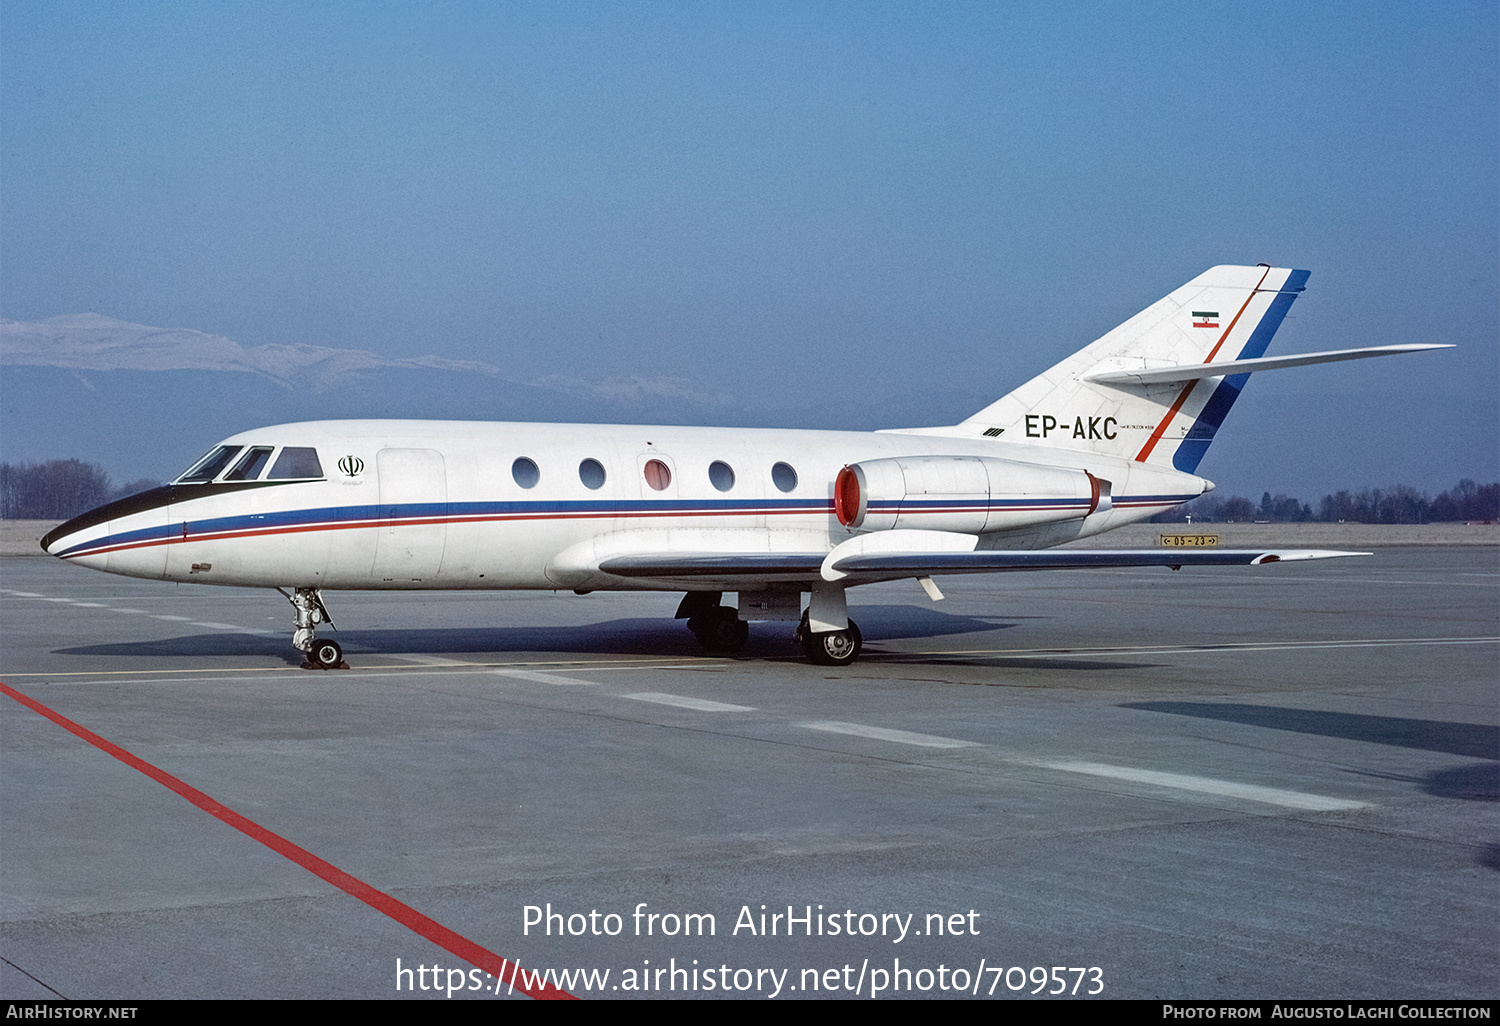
[966,494]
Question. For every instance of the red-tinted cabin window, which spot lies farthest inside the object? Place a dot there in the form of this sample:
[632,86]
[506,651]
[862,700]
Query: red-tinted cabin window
[658,476]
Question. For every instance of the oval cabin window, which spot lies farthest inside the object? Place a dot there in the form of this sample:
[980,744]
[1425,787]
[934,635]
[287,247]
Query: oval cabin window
[525,472]
[784,476]
[591,473]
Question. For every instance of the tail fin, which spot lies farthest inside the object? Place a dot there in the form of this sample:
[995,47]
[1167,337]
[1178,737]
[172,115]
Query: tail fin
[1226,313]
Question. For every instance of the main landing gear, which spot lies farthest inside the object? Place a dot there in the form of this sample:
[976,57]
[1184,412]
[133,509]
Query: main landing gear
[829,648]
[322,653]
[720,630]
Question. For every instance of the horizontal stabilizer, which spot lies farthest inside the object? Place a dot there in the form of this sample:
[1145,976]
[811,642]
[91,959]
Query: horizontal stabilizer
[1194,371]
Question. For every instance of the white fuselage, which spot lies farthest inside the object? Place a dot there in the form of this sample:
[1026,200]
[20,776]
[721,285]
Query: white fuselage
[454,504]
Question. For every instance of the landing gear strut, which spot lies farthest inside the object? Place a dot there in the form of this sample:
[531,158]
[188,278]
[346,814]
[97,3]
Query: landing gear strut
[322,654]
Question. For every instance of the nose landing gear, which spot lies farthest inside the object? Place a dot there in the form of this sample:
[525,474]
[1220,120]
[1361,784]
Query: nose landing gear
[322,654]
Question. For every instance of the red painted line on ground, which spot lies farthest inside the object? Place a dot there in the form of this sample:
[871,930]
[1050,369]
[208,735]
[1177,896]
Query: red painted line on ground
[402,913]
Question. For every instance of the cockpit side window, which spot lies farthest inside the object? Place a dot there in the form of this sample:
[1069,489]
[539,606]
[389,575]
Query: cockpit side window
[250,464]
[210,466]
[296,462]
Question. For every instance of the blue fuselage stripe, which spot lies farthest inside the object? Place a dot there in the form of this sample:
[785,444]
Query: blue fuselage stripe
[395,515]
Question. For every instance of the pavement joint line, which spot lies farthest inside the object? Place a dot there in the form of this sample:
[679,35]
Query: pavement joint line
[1248,646]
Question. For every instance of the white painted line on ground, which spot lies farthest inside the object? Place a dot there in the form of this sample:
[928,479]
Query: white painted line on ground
[903,737]
[427,660]
[218,626]
[539,677]
[1207,785]
[684,702]
[164,616]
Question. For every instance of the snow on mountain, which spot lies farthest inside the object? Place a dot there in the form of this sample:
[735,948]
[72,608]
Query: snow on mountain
[91,342]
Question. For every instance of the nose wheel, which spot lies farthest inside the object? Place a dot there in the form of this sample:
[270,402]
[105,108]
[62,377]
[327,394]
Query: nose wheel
[327,655]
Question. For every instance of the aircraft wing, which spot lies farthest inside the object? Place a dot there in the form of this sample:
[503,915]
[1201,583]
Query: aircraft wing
[891,565]
[868,567]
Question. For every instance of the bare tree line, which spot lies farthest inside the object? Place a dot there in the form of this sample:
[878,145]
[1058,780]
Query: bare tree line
[58,489]
[1399,504]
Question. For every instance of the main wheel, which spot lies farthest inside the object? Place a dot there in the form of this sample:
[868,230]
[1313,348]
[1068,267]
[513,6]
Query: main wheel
[833,648]
[326,655]
[721,630]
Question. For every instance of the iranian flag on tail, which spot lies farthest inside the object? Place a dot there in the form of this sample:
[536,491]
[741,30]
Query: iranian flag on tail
[1205,318]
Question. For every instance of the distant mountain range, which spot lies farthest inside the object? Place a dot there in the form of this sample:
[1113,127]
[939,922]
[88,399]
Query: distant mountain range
[144,402]
[91,342]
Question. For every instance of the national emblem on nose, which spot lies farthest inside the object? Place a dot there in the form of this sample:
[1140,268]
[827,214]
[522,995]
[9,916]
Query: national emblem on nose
[352,466]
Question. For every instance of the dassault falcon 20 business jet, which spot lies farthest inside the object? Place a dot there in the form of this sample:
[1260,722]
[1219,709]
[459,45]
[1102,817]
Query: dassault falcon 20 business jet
[1110,436]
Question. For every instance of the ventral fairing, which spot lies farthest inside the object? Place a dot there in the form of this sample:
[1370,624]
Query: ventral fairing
[787,520]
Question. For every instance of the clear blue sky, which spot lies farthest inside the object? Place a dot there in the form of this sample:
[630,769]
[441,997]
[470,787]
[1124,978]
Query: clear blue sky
[803,199]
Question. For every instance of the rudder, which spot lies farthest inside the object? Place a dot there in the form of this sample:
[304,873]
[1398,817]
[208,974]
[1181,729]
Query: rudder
[1226,313]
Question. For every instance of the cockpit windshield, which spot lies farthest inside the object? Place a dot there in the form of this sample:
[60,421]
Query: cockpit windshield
[296,462]
[293,463]
[210,466]
[250,464]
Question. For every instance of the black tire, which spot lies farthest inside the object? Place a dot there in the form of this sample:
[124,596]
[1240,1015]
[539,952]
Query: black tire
[326,654]
[833,648]
[720,631]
